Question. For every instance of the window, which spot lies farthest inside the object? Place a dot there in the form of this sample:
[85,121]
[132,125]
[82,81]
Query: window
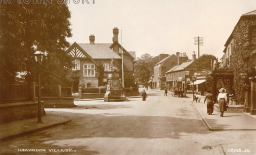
[106,67]
[89,70]
[76,63]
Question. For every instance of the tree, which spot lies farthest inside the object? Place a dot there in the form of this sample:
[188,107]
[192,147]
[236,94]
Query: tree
[144,68]
[26,28]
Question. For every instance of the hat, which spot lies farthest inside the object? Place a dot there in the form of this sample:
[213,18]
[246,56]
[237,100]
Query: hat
[222,90]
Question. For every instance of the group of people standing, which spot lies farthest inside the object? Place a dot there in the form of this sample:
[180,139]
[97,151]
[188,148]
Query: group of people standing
[221,100]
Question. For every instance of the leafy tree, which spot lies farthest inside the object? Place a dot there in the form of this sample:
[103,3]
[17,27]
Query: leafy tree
[25,27]
[144,68]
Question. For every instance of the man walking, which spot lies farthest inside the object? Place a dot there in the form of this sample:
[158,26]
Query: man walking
[165,92]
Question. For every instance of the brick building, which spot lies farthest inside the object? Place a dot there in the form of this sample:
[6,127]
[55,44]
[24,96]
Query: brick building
[88,57]
[160,68]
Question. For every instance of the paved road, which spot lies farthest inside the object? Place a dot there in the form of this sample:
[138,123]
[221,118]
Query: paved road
[159,126]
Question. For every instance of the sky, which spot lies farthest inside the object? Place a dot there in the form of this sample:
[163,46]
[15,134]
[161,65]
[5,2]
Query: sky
[159,26]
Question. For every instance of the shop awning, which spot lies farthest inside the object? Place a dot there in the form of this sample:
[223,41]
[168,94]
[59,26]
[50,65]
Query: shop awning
[197,82]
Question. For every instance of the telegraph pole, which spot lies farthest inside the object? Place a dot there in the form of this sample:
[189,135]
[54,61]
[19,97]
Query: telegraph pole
[199,42]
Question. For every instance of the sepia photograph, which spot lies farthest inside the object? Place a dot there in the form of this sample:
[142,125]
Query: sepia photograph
[128,77]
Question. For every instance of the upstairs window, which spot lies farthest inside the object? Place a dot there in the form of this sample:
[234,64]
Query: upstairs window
[106,67]
[76,63]
[89,70]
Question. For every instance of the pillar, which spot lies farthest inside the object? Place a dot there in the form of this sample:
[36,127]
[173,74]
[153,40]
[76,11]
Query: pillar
[247,101]
[253,96]
[80,90]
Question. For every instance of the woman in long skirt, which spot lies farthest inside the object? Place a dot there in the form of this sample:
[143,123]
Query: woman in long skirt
[222,100]
[208,98]
[144,95]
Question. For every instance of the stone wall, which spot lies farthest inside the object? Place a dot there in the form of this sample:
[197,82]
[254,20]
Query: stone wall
[19,111]
[58,102]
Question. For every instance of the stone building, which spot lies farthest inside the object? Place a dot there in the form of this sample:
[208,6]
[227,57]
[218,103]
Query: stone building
[89,57]
[240,59]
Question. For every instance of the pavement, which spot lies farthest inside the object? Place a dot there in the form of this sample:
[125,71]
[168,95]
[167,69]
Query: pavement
[230,121]
[23,127]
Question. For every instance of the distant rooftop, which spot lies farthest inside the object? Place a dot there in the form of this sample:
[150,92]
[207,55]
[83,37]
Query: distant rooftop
[183,66]
[163,60]
[172,69]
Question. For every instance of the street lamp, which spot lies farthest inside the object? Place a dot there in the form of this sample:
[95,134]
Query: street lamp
[193,79]
[39,58]
[186,80]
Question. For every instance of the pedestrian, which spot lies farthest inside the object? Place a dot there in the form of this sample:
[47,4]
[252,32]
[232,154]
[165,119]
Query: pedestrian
[208,98]
[165,92]
[144,95]
[222,100]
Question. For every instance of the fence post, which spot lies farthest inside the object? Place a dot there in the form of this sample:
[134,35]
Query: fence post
[59,90]
[131,90]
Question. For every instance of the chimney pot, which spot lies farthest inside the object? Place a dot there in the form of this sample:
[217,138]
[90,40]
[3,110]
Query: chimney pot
[178,57]
[92,39]
[193,56]
[115,33]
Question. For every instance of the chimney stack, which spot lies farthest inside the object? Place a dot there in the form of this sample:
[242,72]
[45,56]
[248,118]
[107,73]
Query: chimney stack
[92,39]
[115,34]
[178,57]
[193,56]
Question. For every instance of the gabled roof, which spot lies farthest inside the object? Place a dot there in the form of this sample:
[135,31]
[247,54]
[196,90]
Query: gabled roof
[252,13]
[99,50]
[82,53]
[163,60]
[125,51]
[172,69]
[183,66]
[133,54]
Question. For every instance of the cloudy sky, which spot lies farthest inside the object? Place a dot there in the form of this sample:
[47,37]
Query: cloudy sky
[159,26]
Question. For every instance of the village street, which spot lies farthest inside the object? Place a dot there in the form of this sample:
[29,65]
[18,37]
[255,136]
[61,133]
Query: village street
[159,126]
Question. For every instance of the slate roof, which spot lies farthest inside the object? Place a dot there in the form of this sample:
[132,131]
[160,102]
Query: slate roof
[163,60]
[133,54]
[183,66]
[172,69]
[99,50]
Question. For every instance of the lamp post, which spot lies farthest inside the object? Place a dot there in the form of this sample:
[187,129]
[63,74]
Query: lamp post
[193,79]
[39,58]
